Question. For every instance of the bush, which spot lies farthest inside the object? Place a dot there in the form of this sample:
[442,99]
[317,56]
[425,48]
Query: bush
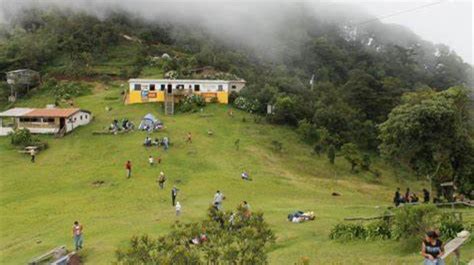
[22,138]
[192,103]
[379,230]
[232,238]
[412,222]
[247,104]
[450,226]
[66,90]
[347,232]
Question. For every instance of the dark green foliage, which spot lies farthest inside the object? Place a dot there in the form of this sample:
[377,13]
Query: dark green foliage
[23,138]
[351,154]
[450,225]
[381,229]
[347,232]
[412,222]
[365,162]
[244,240]
[331,154]
[430,133]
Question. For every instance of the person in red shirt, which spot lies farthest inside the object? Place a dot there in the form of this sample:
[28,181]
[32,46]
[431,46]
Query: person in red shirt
[128,167]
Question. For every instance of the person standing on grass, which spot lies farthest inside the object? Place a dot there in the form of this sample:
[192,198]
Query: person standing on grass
[218,198]
[161,180]
[397,197]
[174,194]
[189,138]
[432,249]
[77,235]
[426,196]
[178,209]
[151,161]
[128,167]
[165,143]
[33,155]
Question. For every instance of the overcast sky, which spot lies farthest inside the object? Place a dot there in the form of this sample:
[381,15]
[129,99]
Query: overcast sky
[449,22]
[443,21]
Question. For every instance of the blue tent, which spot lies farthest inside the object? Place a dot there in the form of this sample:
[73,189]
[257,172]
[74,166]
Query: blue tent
[149,123]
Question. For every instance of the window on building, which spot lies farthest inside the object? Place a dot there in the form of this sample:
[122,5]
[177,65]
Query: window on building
[75,118]
[137,87]
[234,87]
[180,86]
[220,87]
[49,120]
[162,87]
[86,117]
[80,117]
[152,87]
[197,88]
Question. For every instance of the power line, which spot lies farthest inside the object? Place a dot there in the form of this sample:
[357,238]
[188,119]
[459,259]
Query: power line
[399,13]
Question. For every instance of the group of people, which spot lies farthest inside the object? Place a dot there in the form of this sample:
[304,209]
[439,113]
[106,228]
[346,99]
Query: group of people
[125,125]
[409,197]
[148,142]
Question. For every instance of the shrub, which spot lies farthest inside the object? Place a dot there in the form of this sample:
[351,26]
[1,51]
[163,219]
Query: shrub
[411,223]
[379,230]
[232,238]
[22,137]
[247,104]
[331,154]
[450,226]
[192,103]
[347,232]
[233,96]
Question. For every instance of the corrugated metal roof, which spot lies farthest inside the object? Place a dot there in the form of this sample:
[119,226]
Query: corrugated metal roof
[15,112]
[64,113]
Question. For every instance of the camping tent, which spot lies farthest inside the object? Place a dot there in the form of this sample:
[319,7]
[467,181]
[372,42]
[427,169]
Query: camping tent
[149,123]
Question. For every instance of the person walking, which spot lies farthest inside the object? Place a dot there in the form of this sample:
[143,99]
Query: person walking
[151,161]
[161,180]
[128,167]
[174,194]
[178,209]
[218,198]
[33,155]
[77,235]
[432,249]
[165,143]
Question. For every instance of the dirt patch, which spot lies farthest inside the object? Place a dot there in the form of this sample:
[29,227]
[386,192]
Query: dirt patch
[98,183]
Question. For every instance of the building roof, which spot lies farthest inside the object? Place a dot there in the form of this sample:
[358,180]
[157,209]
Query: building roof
[47,112]
[183,81]
[53,112]
[15,112]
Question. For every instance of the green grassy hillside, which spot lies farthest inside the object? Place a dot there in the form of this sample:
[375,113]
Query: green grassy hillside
[39,202]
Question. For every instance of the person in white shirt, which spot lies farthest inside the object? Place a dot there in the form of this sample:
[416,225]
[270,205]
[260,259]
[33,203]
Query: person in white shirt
[151,161]
[178,208]
[218,198]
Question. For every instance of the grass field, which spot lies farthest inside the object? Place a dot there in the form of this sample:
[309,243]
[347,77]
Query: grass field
[39,202]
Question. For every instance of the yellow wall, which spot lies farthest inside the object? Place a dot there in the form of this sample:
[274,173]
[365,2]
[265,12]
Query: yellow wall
[134,97]
[223,97]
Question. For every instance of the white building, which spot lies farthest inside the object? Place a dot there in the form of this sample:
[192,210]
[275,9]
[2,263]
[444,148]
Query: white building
[43,121]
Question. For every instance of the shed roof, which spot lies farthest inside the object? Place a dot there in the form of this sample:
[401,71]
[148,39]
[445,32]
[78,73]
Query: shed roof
[15,112]
[62,113]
